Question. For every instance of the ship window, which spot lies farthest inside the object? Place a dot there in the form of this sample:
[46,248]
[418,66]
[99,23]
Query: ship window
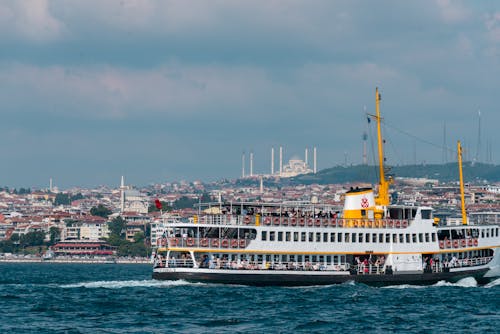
[332,237]
[299,258]
[272,235]
[288,236]
[394,238]
[414,237]
[280,236]
[283,258]
[360,237]
[426,214]
[325,237]
[374,237]
[264,235]
[346,238]
[322,259]
[387,238]
[303,236]
[311,236]
[292,258]
[427,237]
[433,237]
[381,238]
[367,237]
[482,233]
[420,237]
[354,237]
[318,236]
[339,237]
[401,238]
[407,238]
[496,231]
[314,258]
[328,259]
[295,236]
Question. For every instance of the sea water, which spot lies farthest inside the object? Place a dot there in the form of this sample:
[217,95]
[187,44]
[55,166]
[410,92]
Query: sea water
[116,298]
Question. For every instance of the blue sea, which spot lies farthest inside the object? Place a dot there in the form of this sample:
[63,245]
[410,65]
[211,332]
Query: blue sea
[115,298]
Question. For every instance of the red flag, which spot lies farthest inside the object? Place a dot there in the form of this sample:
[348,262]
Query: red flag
[158,204]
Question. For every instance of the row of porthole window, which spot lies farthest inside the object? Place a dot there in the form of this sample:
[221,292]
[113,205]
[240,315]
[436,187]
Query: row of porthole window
[348,237]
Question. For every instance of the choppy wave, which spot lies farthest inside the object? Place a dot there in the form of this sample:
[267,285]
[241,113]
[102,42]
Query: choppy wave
[126,284]
[493,283]
[468,282]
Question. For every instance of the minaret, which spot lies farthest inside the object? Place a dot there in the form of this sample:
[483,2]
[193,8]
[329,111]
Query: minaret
[306,160]
[281,160]
[261,184]
[272,160]
[251,163]
[122,199]
[243,165]
[314,160]
[50,185]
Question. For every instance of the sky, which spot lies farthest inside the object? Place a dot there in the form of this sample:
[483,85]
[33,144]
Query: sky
[162,91]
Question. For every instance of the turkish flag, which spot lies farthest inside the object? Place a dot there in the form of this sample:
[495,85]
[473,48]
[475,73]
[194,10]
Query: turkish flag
[158,204]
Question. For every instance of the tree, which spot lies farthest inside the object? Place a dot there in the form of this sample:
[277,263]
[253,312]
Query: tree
[117,227]
[61,199]
[100,211]
[35,238]
[55,235]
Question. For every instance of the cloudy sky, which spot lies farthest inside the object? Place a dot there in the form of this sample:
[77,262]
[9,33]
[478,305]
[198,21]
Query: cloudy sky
[177,90]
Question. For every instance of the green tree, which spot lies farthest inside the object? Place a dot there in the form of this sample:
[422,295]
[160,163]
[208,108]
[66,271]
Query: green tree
[55,235]
[117,228]
[62,199]
[14,238]
[35,238]
[100,211]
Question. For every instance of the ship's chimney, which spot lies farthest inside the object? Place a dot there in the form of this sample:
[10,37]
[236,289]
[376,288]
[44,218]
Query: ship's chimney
[314,159]
[272,160]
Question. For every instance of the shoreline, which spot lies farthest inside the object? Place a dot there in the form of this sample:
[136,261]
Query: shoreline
[85,261]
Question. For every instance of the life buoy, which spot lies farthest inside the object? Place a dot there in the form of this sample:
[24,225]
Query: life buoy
[441,244]
[470,242]
[294,222]
[476,242]
[390,223]
[173,242]
[340,222]
[325,222]
[284,221]
[405,224]
[276,221]
[317,222]
[384,223]
[302,222]
[243,243]
[398,224]
[455,243]
[234,243]
[333,222]
[190,242]
[247,220]
[463,242]
[355,224]
[204,242]
[225,243]
[310,222]
[368,223]
[448,243]
[215,242]
[267,221]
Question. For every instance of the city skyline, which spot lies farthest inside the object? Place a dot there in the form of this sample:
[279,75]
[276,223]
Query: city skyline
[176,90]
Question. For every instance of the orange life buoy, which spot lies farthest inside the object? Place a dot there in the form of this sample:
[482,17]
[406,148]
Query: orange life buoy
[173,242]
[340,222]
[463,242]
[302,222]
[333,221]
[317,222]
[215,242]
[470,242]
[234,243]
[441,244]
[294,222]
[390,223]
[448,243]
[204,242]
[398,224]
[267,221]
[455,243]
[190,242]
[476,242]
[243,243]
[310,222]
[405,224]
[225,243]
[276,221]
[384,223]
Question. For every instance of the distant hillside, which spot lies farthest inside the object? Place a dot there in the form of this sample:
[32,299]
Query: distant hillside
[444,173]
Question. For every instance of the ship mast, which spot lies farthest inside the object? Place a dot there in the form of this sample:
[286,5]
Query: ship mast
[461,175]
[383,190]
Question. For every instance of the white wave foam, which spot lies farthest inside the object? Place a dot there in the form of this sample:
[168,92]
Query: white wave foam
[493,283]
[404,286]
[467,282]
[125,284]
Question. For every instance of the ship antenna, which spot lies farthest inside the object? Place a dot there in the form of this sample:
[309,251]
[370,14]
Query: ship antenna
[383,192]
[461,175]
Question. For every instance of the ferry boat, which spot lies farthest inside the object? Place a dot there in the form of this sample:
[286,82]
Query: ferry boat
[368,240]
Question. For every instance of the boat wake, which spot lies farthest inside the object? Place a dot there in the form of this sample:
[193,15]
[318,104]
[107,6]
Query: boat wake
[468,282]
[126,284]
[493,283]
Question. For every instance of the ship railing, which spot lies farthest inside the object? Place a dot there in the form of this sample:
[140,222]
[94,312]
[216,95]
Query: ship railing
[222,243]
[370,269]
[173,263]
[273,220]
[441,266]
[263,265]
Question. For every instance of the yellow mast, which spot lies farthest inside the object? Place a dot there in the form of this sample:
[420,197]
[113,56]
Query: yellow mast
[383,190]
[460,173]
